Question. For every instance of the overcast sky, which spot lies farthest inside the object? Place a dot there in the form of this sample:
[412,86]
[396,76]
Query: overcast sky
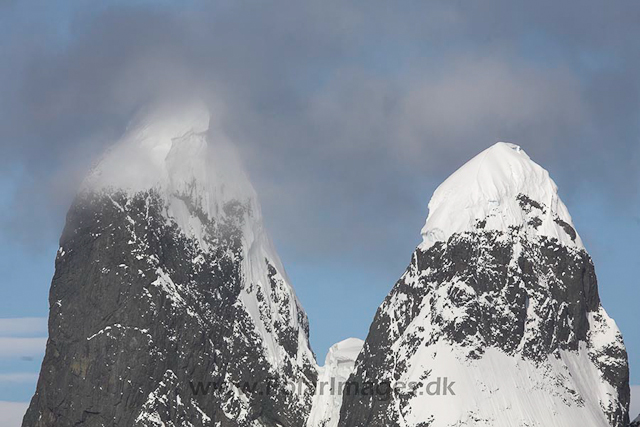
[347,114]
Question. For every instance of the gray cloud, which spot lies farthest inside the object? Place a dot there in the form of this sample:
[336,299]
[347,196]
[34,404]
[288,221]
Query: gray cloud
[23,327]
[347,116]
[13,348]
[12,413]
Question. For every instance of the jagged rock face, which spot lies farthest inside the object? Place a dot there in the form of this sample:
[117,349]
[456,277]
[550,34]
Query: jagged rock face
[143,308]
[511,316]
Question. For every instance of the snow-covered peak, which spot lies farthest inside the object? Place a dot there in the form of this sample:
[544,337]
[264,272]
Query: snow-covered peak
[344,351]
[174,151]
[180,154]
[137,160]
[338,366]
[499,189]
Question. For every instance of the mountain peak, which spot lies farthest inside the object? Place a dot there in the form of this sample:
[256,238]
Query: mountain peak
[175,151]
[137,161]
[165,266]
[345,350]
[502,300]
[338,366]
[499,189]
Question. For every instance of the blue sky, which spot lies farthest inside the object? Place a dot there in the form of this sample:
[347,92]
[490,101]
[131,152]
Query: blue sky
[347,119]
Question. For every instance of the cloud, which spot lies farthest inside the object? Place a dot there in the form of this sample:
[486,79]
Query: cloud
[22,338]
[19,377]
[634,408]
[23,326]
[12,413]
[332,104]
[22,347]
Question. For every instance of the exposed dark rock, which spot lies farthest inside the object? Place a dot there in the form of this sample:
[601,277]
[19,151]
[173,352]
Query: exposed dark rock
[139,311]
[496,283]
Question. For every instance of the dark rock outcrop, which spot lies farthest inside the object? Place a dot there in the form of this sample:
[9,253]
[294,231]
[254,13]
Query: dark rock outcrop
[140,314]
[502,299]
[169,305]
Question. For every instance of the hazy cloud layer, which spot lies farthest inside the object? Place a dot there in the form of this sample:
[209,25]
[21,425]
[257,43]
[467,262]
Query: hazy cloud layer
[21,339]
[634,407]
[27,348]
[19,377]
[339,109]
[12,412]
[23,327]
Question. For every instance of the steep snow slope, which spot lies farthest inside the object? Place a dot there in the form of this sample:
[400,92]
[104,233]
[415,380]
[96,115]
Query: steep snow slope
[166,278]
[489,189]
[501,299]
[338,366]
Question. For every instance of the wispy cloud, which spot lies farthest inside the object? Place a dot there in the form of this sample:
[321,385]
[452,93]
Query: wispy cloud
[28,348]
[19,377]
[329,101]
[23,327]
[634,408]
[12,413]
[22,338]
[22,346]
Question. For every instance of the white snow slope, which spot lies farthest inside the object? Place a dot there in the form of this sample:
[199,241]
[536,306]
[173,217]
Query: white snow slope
[338,365]
[485,188]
